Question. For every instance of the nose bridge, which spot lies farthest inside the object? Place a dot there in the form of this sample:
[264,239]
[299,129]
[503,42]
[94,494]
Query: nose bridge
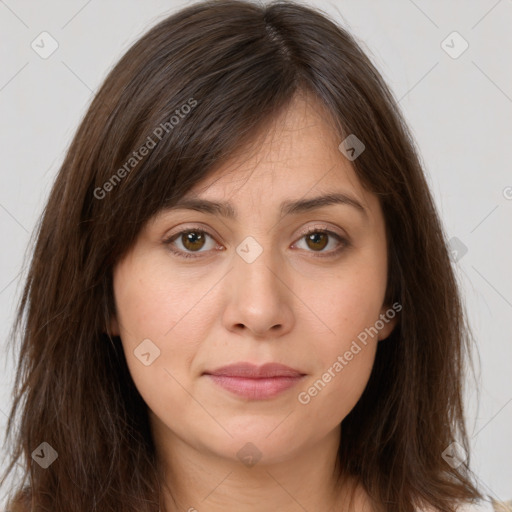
[254,261]
[257,299]
[255,268]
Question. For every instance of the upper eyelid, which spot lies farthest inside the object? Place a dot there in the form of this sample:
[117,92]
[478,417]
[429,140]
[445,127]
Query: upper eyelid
[317,226]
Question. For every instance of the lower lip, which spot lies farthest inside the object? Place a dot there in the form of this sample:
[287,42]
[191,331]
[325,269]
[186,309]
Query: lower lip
[255,389]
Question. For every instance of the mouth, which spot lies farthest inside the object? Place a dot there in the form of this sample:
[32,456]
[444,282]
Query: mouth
[255,382]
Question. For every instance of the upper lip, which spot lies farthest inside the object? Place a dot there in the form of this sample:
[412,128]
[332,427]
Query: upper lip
[252,371]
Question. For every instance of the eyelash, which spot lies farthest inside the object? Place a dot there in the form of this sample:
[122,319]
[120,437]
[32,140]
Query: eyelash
[182,254]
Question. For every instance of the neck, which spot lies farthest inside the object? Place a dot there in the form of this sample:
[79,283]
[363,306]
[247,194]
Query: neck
[201,481]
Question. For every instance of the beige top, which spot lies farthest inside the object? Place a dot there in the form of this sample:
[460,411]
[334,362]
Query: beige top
[484,506]
[487,506]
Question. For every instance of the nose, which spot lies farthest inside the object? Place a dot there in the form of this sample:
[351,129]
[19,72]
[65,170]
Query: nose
[258,298]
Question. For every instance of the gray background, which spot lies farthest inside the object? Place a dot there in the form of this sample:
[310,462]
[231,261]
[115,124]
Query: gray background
[459,109]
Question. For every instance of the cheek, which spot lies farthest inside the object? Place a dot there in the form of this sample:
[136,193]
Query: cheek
[153,302]
[348,300]
[349,305]
[176,311]
[161,317]
[334,392]
[344,358]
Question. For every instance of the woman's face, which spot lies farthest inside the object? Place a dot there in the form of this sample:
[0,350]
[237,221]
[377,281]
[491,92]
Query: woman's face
[258,289]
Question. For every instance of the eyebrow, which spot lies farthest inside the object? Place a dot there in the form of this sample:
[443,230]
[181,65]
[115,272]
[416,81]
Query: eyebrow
[226,209]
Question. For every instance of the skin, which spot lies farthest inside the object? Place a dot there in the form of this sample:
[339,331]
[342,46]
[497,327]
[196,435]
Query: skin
[289,306]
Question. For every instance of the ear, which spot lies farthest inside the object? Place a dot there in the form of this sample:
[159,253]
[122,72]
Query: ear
[388,319]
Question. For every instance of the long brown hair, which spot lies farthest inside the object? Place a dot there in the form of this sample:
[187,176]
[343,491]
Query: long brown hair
[194,89]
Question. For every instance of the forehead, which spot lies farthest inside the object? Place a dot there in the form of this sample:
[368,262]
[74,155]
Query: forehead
[295,155]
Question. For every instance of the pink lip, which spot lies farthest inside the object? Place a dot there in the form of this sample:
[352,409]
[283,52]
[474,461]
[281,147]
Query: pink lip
[255,382]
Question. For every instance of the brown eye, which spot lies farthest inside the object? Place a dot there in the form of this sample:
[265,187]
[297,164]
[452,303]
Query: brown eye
[317,241]
[190,243]
[193,240]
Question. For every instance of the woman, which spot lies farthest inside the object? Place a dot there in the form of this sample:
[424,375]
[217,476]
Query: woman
[240,297]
